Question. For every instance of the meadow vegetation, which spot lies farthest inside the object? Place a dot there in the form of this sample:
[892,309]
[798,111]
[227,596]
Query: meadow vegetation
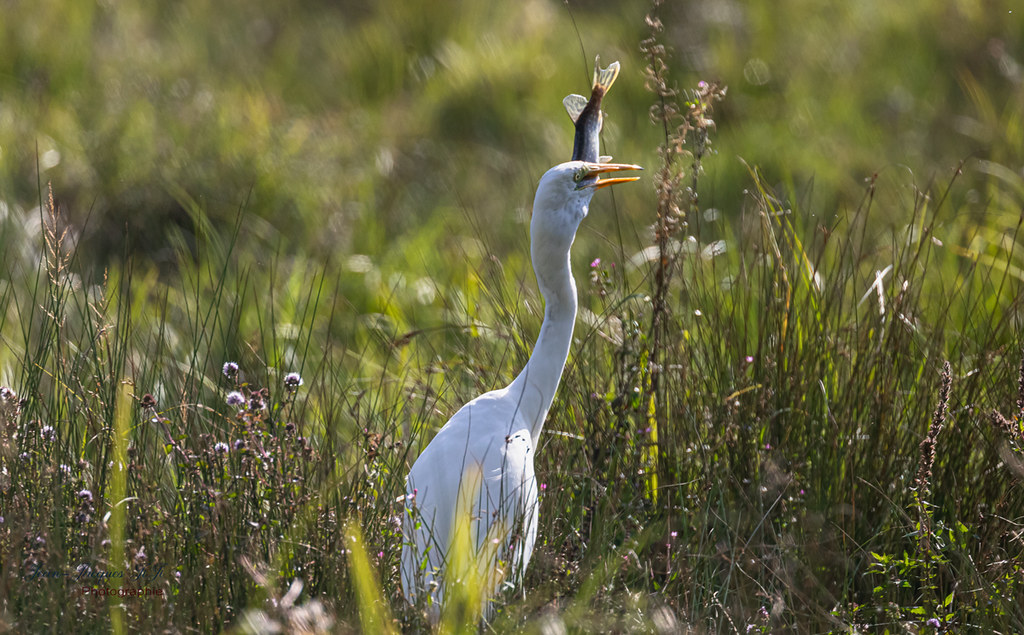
[252,256]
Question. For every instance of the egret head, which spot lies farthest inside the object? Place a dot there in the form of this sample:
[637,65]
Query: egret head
[563,196]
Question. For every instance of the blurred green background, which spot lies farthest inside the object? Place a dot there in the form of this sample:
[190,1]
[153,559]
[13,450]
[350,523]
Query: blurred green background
[395,129]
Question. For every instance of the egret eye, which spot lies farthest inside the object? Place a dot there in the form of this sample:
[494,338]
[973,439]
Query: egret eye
[579,175]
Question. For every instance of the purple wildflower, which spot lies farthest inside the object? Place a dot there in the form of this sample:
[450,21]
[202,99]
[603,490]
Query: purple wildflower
[235,398]
[292,381]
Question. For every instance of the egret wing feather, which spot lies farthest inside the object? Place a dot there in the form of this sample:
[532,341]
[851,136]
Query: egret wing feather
[486,437]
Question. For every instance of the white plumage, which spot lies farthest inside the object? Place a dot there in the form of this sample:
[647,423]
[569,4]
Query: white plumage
[486,449]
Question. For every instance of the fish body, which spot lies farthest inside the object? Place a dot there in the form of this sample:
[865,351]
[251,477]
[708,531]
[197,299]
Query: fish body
[586,114]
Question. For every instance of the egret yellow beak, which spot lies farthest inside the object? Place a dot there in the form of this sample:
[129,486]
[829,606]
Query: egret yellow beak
[595,169]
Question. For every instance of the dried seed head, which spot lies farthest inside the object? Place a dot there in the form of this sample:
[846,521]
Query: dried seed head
[1020,391]
[927,460]
[256,401]
[1001,422]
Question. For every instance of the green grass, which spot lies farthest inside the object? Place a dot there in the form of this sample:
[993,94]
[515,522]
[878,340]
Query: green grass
[757,431]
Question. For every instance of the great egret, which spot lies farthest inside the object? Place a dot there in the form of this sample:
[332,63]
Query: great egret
[479,467]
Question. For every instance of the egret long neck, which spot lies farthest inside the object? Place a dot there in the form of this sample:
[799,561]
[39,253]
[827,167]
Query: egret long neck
[535,386]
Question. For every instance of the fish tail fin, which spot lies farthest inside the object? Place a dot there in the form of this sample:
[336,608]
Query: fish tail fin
[574,105]
[604,77]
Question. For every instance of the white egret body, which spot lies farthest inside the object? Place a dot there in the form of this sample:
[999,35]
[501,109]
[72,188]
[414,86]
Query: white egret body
[487,447]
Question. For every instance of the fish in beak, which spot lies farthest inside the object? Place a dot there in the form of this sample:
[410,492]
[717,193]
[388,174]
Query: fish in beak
[586,114]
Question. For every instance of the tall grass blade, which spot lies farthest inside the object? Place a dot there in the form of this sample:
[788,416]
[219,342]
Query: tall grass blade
[374,614]
[116,488]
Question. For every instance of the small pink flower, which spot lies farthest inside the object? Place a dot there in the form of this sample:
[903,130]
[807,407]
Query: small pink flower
[596,263]
[674,534]
[543,486]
